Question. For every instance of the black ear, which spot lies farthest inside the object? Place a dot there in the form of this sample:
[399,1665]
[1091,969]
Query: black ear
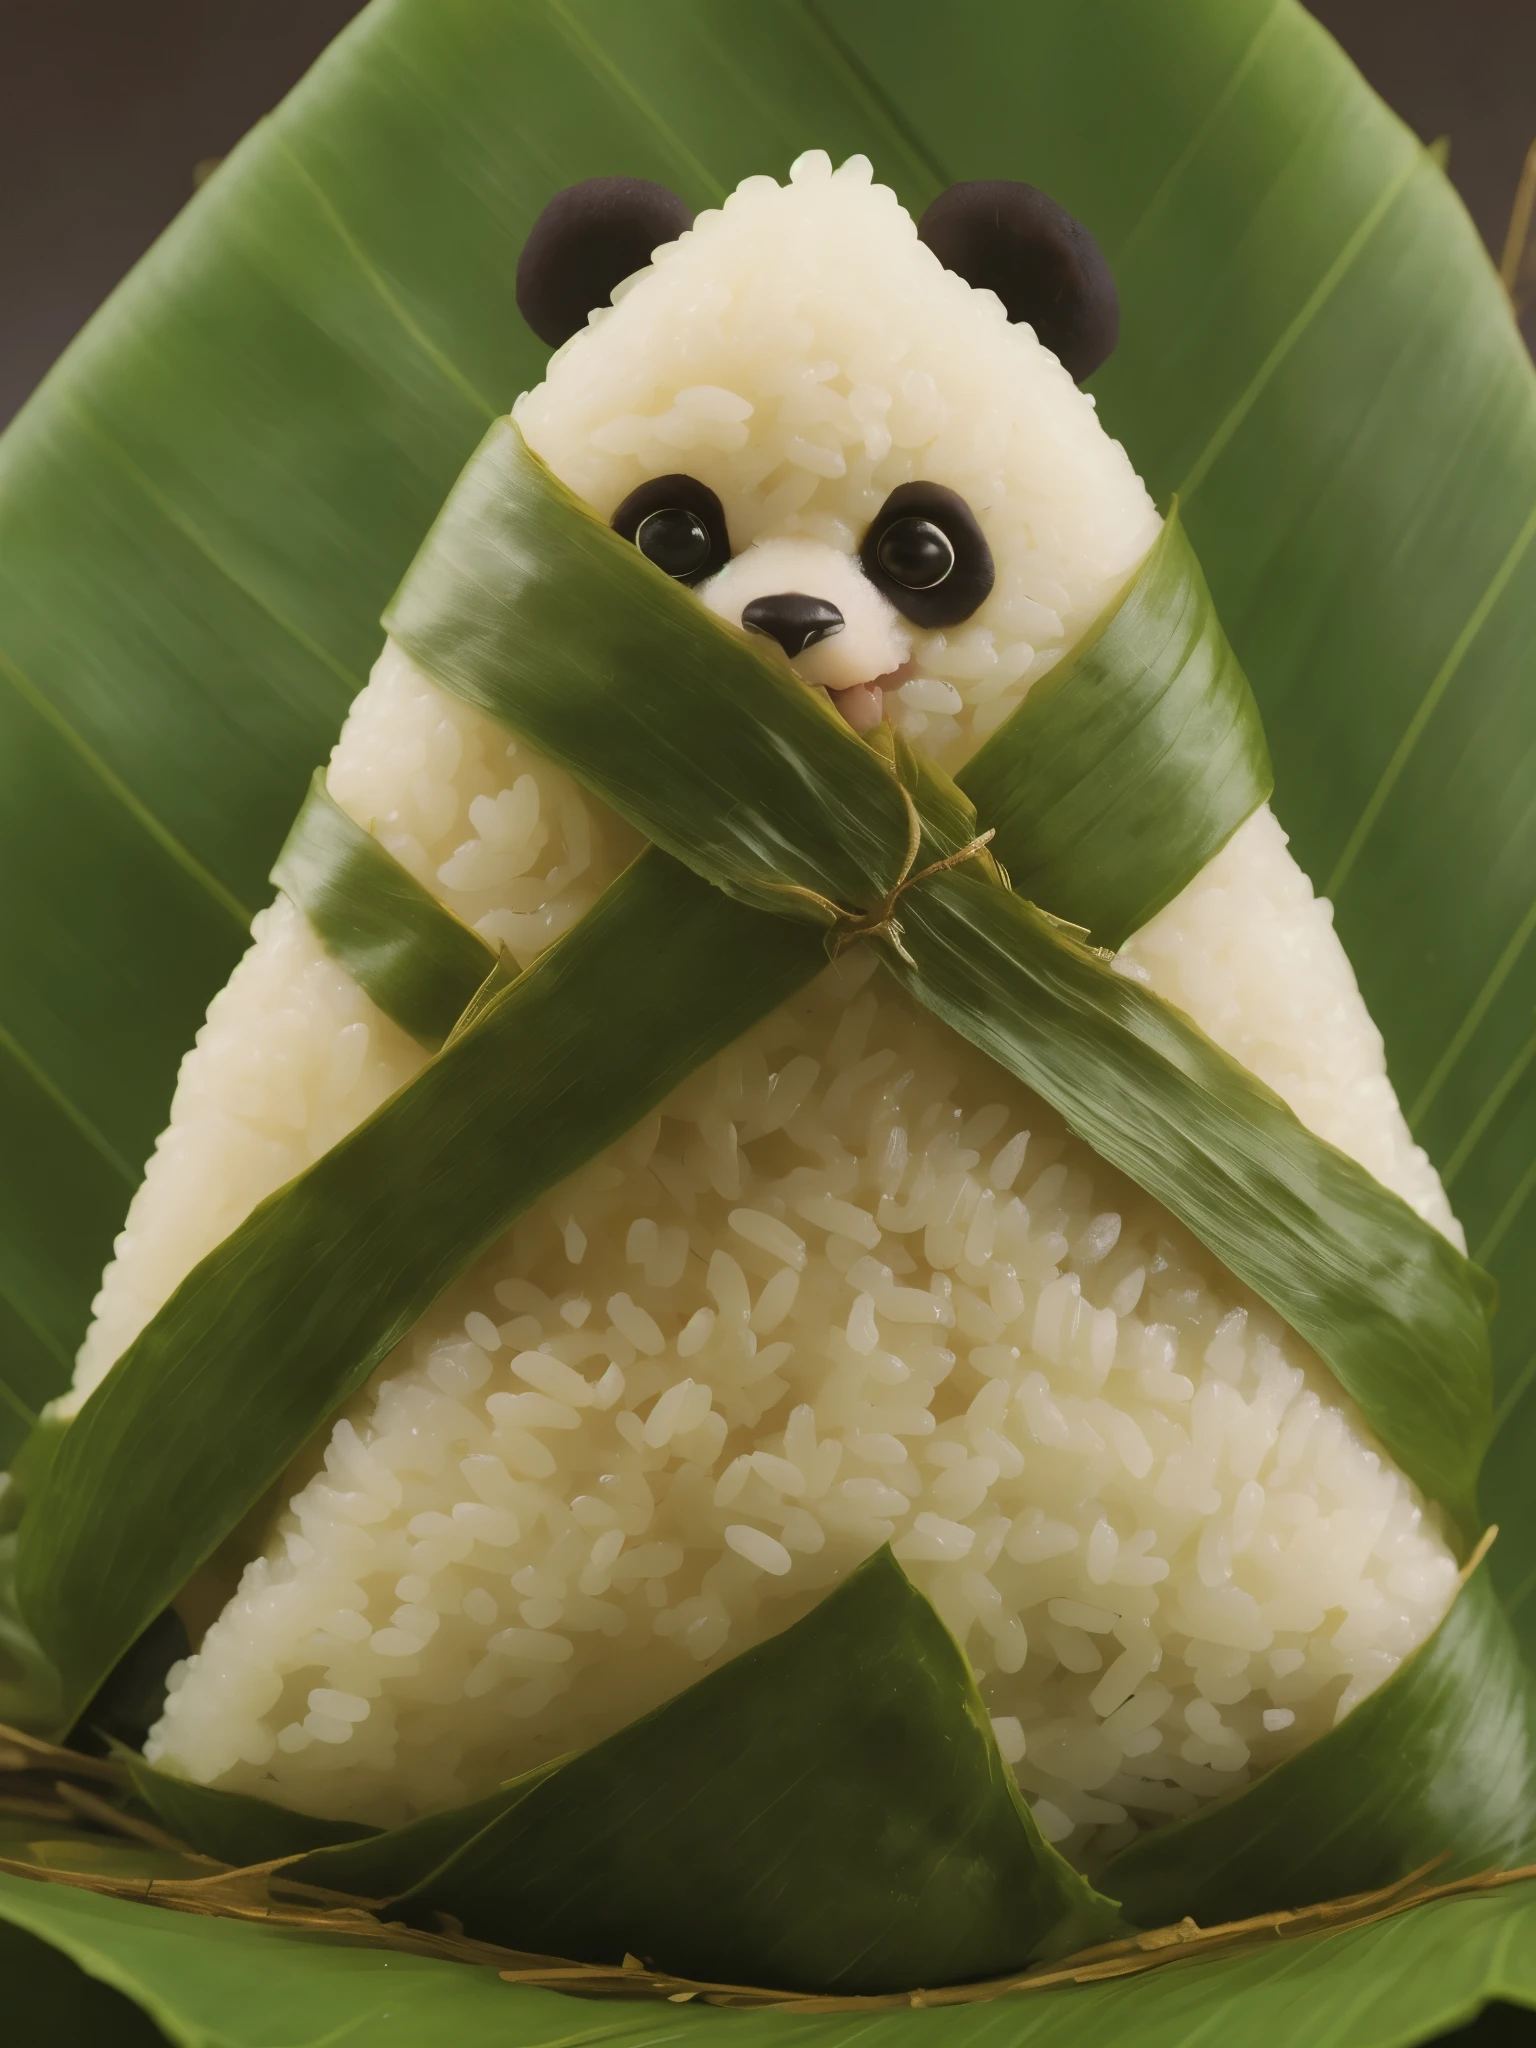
[588,239]
[1044,265]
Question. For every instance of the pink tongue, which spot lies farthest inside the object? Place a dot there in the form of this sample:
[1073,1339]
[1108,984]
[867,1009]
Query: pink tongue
[863,706]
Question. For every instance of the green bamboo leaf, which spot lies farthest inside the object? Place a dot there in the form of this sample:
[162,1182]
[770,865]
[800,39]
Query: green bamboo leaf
[50,2001]
[828,1811]
[233,1826]
[1393,1309]
[57,1221]
[403,949]
[1439,1762]
[282,1321]
[1130,764]
[1108,789]
[524,604]
[30,1695]
[203,513]
[55,1845]
[240,1986]
[388,1865]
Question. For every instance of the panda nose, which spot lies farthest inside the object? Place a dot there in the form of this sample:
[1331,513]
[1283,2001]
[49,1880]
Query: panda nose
[793,619]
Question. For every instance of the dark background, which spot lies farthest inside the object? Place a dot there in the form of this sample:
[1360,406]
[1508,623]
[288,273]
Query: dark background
[108,106]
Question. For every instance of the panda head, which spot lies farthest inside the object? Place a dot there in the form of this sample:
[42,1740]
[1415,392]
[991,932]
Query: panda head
[855,436]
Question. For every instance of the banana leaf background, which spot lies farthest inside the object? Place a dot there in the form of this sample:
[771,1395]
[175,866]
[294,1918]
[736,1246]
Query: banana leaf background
[207,505]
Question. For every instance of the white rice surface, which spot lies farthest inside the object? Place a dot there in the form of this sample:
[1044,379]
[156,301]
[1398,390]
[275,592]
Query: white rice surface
[1250,953]
[851,1284]
[291,1057]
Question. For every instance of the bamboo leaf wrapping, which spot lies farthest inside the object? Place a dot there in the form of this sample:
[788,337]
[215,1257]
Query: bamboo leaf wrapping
[692,731]
[1131,763]
[1389,1304]
[389,1864]
[232,1826]
[410,955]
[1394,1309]
[1439,1762]
[661,1839]
[863,1713]
[1454,1719]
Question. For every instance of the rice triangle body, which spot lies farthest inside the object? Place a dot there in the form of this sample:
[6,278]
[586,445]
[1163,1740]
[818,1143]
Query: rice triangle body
[851,1285]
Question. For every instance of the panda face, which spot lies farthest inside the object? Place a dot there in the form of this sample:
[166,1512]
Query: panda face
[924,558]
[838,630]
[836,443]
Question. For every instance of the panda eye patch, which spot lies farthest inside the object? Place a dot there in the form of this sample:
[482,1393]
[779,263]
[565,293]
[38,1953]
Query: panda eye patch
[926,551]
[678,524]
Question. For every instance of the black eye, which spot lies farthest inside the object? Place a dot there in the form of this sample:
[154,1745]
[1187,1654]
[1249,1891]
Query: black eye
[927,553]
[675,540]
[677,523]
[915,553]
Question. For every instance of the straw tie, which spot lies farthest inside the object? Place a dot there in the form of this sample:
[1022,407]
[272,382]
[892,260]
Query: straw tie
[879,920]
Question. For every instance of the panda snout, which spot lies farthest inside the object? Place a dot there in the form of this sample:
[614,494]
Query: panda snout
[816,603]
[793,619]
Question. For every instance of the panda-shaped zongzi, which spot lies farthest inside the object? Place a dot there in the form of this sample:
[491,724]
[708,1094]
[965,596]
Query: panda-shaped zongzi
[851,1285]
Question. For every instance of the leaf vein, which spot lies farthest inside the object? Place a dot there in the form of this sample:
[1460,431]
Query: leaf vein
[1524,1188]
[876,101]
[443,362]
[29,1322]
[12,1400]
[1503,968]
[1512,1398]
[602,67]
[174,516]
[1321,292]
[56,1095]
[1493,1102]
[1428,704]
[165,839]
[1202,128]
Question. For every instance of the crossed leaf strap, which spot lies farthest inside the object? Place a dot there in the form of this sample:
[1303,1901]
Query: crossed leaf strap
[1128,766]
[650,703]
[525,604]
[414,958]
